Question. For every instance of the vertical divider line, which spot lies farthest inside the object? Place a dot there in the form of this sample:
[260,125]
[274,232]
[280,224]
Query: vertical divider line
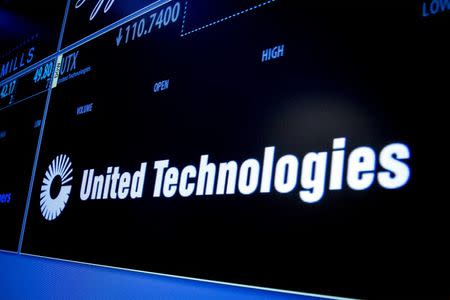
[41,134]
[33,172]
[63,26]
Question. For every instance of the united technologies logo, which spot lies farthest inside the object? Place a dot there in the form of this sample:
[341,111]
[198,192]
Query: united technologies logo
[56,187]
[311,176]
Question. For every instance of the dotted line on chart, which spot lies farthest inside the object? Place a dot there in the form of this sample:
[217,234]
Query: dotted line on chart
[184,17]
[227,18]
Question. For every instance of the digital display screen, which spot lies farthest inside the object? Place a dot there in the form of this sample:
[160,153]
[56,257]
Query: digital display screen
[281,144]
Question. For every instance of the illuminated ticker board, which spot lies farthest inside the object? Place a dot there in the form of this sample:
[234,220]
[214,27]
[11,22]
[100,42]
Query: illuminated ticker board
[280,144]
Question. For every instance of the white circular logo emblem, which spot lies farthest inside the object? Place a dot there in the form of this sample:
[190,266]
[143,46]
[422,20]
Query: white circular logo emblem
[56,187]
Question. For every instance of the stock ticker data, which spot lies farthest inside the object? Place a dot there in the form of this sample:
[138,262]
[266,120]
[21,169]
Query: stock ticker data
[291,145]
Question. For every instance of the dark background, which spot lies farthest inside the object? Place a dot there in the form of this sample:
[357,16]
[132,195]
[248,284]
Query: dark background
[18,150]
[371,72]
